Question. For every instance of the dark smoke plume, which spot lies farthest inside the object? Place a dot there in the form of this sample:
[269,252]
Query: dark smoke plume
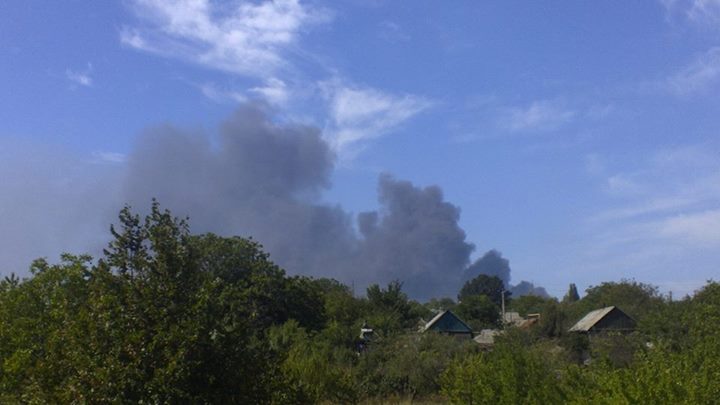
[255,178]
[263,180]
[415,238]
[493,264]
[258,182]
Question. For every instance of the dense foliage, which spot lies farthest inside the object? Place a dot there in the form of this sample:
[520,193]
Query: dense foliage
[165,316]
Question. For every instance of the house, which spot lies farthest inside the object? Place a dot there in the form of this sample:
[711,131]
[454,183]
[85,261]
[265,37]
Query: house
[486,337]
[512,318]
[603,320]
[448,323]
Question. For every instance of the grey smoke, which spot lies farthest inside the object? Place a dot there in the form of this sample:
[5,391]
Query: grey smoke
[528,288]
[415,238]
[254,178]
[52,201]
[493,264]
[264,180]
[260,180]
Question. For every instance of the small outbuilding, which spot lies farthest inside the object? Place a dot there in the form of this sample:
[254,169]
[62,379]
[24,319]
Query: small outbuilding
[486,337]
[448,323]
[608,319]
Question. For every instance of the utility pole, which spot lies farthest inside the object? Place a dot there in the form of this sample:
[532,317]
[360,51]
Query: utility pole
[502,295]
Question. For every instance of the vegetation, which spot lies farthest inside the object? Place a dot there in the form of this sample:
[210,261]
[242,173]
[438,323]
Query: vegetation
[169,317]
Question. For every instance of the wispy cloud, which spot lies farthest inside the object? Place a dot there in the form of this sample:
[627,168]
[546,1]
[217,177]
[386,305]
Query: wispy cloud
[700,75]
[670,182]
[539,115]
[392,32]
[257,40]
[705,12]
[80,77]
[244,38]
[700,228]
[221,95]
[671,213]
[360,113]
[274,91]
[108,157]
[664,222]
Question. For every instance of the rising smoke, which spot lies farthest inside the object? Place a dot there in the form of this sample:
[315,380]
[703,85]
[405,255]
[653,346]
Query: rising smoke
[264,180]
[257,179]
[493,264]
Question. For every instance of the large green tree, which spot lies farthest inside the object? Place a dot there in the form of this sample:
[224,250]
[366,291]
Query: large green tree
[164,317]
[490,286]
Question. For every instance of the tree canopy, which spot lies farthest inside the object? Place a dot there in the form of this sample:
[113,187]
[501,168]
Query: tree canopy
[165,316]
[490,286]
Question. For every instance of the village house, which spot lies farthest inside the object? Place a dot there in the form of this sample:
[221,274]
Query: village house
[448,323]
[605,320]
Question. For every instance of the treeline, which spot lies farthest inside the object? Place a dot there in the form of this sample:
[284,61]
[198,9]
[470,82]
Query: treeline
[165,316]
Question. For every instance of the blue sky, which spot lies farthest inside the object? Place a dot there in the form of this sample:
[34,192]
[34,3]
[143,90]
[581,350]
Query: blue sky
[578,138]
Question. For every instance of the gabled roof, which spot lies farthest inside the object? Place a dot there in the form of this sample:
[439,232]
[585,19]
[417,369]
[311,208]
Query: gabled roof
[594,317]
[446,321]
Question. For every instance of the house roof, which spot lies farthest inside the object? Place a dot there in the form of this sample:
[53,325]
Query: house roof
[593,317]
[446,321]
[487,336]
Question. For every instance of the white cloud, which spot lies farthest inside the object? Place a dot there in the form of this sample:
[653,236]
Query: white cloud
[699,75]
[702,228]
[668,228]
[244,38]
[360,114]
[540,115]
[704,12]
[219,95]
[275,91]
[81,78]
[254,39]
[664,220]
[670,182]
[623,184]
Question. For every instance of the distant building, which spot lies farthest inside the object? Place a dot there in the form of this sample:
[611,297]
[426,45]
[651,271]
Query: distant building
[512,318]
[486,337]
[448,323]
[608,319]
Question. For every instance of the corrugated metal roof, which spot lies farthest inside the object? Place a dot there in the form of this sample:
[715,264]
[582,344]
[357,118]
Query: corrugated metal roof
[589,320]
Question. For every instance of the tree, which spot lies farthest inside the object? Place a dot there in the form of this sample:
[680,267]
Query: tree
[634,298]
[510,374]
[552,320]
[479,312]
[529,304]
[164,317]
[440,304]
[44,322]
[490,286]
[572,294]
[390,310]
